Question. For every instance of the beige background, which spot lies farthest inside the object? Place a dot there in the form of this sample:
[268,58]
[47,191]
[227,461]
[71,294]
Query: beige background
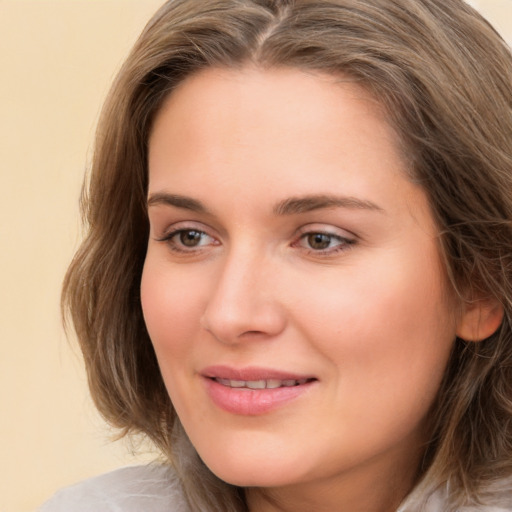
[57,58]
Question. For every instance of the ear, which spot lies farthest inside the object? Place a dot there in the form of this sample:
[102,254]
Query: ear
[479,320]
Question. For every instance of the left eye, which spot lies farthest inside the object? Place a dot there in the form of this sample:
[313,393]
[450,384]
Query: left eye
[323,241]
[319,241]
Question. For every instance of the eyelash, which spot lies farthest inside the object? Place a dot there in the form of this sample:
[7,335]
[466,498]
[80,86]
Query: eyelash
[343,245]
[169,239]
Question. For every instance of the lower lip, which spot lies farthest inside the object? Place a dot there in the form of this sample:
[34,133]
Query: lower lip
[252,402]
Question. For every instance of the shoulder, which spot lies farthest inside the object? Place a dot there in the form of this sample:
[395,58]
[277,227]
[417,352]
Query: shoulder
[496,498]
[131,489]
[499,496]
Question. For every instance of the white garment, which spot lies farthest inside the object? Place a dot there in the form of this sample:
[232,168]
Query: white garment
[152,488]
[501,501]
[155,488]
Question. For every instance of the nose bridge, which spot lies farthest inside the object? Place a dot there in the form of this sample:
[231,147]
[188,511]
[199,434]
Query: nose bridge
[242,300]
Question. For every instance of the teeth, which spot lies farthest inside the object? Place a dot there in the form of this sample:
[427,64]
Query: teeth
[261,384]
[256,384]
[273,383]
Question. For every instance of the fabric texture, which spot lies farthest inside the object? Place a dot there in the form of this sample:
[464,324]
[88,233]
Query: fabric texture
[155,488]
[497,500]
[152,488]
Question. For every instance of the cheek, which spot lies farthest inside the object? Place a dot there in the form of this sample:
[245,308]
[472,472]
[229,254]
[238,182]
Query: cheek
[171,306]
[387,332]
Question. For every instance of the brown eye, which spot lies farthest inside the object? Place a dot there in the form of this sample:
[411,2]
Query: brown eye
[319,241]
[324,243]
[190,238]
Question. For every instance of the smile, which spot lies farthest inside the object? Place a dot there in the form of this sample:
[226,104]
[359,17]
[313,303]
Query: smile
[262,384]
[254,391]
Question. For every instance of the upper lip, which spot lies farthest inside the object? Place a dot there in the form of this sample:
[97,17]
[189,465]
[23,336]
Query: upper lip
[251,373]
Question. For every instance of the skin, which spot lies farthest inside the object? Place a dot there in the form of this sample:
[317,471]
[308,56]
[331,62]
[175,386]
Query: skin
[370,315]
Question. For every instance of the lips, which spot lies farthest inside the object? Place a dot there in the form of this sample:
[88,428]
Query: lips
[261,384]
[253,391]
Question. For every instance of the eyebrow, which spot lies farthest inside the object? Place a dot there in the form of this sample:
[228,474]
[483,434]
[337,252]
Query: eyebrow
[290,206]
[187,203]
[303,204]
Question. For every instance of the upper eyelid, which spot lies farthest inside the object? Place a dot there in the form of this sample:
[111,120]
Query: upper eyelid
[327,229]
[183,225]
[347,239]
[173,232]
[313,227]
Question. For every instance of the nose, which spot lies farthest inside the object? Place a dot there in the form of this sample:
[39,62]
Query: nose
[243,303]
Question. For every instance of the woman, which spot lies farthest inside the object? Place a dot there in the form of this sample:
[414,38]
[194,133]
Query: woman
[296,279]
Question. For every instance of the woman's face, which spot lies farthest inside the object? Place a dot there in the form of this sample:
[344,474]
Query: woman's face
[292,288]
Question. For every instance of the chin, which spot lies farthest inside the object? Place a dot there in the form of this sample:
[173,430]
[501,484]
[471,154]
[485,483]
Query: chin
[253,470]
[251,476]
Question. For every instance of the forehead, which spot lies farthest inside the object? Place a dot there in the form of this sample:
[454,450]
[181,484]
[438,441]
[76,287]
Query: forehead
[255,86]
[232,113]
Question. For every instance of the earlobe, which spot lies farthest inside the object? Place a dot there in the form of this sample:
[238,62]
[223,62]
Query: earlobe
[479,320]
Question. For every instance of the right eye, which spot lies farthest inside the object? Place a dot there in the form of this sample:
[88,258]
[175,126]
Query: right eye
[186,240]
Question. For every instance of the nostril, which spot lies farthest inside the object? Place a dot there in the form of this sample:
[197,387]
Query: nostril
[253,333]
[235,317]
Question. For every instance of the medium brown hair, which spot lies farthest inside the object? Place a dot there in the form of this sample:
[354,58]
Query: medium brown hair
[445,78]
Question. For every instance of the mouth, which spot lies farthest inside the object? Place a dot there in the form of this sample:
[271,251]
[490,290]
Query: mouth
[263,383]
[254,391]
